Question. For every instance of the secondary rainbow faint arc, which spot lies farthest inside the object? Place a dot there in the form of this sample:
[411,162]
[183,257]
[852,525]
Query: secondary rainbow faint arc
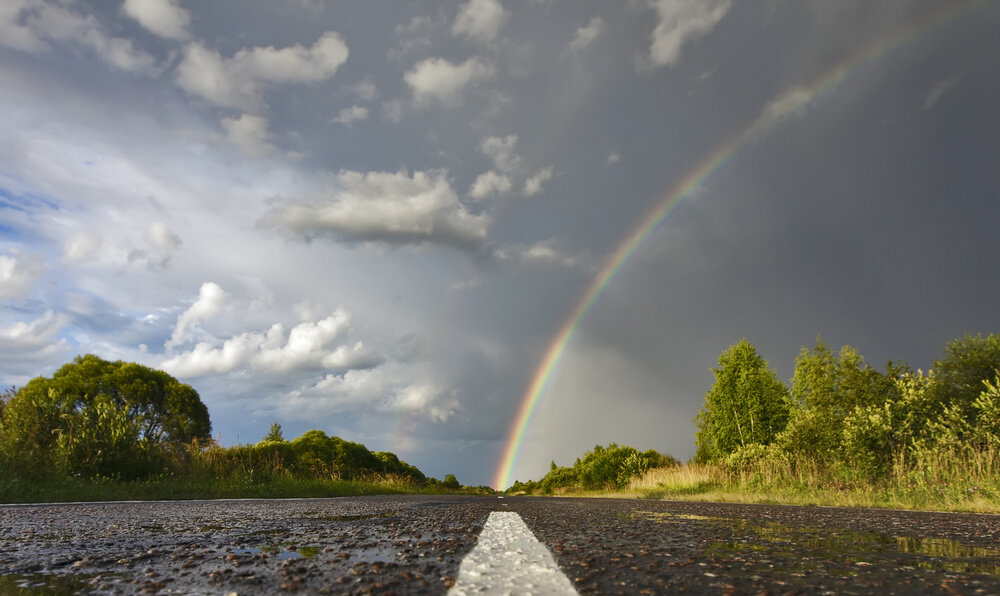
[785,107]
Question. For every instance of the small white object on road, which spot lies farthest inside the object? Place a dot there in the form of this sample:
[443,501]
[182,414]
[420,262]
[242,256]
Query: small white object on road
[508,559]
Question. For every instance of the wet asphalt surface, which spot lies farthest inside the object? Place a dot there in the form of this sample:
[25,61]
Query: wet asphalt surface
[413,545]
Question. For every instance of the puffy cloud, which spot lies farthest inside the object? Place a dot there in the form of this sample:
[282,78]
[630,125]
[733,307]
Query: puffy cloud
[211,299]
[156,249]
[23,345]
[165,18]
[383,389]
[250,133]
[680,21]
[540,253]
[236,82]
[235,353]
[587,34]
[613,158]
[304,348]
[480,20]
[385,207]
[30,25]
[501,151]
[489,183]
[351,114]
[204,73]
[788,104]
[15,30]
[433,402]
[436,79]
[308,346]
[18,273]
[533,185]
[81,247]
[161,237]
[35,334]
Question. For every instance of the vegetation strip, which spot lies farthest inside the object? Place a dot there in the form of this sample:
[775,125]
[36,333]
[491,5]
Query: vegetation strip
[841,433]
[118,431]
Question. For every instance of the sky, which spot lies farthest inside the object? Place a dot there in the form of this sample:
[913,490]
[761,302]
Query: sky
[375,219]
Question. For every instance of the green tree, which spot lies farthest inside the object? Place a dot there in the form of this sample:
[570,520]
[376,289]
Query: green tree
[450,481]
[274,433]
[746,405]
[959,376]
[97,417]
[313,453]
[829,388]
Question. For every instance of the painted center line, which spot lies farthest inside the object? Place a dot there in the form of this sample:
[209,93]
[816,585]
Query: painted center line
[508,559]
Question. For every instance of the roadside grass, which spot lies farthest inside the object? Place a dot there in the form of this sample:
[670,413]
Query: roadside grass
[963,481]
[60,488]
[960,478]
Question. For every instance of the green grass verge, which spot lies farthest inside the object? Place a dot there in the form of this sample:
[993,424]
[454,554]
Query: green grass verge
[61,489]
[716,483]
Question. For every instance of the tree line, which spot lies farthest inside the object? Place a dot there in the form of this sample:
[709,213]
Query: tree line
[124,421]
[843,414]
[610,467]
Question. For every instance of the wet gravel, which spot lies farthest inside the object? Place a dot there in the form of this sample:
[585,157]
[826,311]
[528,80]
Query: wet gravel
[656,547]
[404,545]
[413,545]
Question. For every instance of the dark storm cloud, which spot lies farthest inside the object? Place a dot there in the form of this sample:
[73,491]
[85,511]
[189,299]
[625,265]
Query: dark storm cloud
[509,147]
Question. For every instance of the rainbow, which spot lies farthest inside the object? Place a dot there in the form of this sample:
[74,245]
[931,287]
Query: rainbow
[785,107]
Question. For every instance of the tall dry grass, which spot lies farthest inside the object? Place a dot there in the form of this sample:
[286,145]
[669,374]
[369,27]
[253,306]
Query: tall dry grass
[957,479]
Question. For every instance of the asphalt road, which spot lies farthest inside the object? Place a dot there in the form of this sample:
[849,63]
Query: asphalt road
[414,545]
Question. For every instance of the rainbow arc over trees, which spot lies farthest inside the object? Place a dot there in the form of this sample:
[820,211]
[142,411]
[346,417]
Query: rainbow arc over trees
[787,106]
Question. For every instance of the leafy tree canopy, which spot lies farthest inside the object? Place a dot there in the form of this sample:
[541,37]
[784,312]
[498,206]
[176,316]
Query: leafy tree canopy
[827,389]
[99,417]
[959,376]
[274,433]
[746,405]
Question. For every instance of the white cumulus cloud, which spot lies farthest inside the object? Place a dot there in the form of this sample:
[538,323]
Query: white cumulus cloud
[680,21]
[237,82]
[211,299]
[81,247]
[587,34]
[165,18]
[480,20]
[23,345]
[351,114]
[250,133]
[310,345]
[33,25]
[161,237]
[533,185]
[490,183]
[392,208]
[541,253]
[384,389]
[502,151]
[436,79]
[18,273]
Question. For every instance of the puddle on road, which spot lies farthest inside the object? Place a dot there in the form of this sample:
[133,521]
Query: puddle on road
[281,552]
[51,584]
[347,518]
[938,554]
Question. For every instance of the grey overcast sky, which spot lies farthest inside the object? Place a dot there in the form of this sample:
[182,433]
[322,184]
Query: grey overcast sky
[373,218]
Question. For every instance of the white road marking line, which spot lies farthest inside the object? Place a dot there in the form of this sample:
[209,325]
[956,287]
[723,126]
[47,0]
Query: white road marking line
[508,559]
